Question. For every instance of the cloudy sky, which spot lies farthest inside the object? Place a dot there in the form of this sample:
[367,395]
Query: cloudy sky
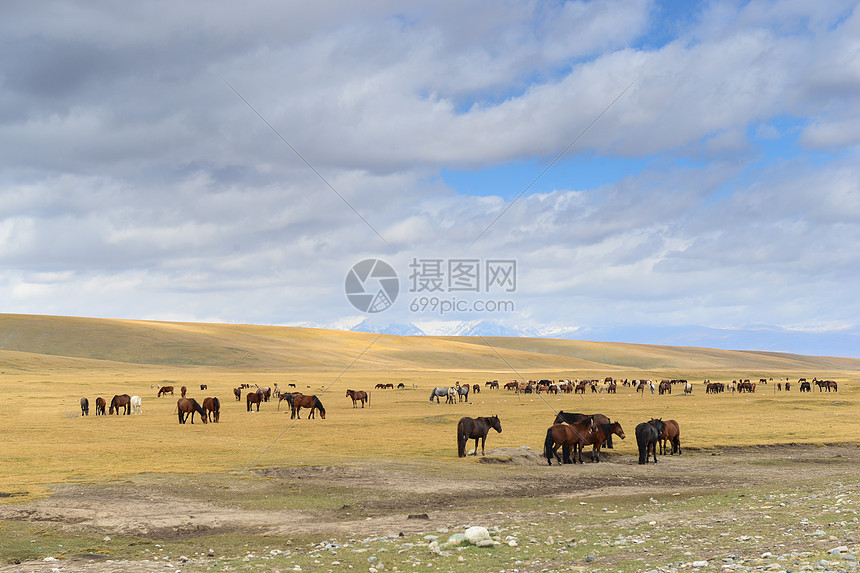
[654,168]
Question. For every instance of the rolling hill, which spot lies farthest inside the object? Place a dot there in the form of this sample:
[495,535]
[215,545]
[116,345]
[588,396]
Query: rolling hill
[29,342]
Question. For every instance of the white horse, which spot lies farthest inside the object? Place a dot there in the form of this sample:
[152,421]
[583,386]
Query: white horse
[136,404]
[688,388]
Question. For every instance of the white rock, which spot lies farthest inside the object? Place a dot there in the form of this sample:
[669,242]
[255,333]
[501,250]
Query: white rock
[477,533]
[700,564]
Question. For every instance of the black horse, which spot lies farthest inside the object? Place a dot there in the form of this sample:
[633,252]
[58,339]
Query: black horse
[475,429]
[647,435]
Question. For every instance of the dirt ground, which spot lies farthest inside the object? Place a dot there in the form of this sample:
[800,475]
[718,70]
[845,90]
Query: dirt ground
[407,506]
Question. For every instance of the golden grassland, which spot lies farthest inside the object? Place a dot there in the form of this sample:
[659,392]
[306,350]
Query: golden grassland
[49,363]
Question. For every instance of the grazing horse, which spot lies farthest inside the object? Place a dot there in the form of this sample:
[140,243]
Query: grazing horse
[212,407]
[254,398]
[288,396]
[565,436]
[85,407]
[440,392]
[266,393]
[688,388]
[647,435]
[476,388]
[186,406]
[238,393]
[165,390]
[357,396]
[120,401]
[311,402]
[136,405]
[596,438]
[100,406]
[463,392]
[477,429]
[670,432]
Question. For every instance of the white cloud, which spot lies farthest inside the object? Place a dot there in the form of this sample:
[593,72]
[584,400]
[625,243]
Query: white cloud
[136,183]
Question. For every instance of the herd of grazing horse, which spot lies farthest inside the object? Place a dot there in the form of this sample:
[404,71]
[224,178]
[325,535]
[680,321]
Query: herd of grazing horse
[570,432]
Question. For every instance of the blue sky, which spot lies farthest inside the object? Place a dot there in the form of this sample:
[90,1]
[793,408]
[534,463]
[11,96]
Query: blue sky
[712,185]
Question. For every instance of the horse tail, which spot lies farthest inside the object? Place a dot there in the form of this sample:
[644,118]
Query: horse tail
[547,446]
[461,440]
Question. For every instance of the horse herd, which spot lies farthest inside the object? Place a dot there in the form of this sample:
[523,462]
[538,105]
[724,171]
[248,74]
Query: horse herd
[573,431]
[128,405]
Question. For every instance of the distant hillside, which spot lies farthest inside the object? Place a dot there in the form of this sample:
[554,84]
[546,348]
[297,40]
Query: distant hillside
[27,340]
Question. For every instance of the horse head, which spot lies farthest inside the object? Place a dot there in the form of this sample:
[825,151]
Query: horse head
[495,423]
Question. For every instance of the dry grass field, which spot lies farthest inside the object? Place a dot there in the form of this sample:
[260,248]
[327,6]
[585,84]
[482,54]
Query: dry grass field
[48,363]
[126,493]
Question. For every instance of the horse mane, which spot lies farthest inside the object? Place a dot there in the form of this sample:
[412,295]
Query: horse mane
[320,406]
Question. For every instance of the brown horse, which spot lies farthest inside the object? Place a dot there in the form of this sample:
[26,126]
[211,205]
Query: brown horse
[101,403]
[120,401]
[565,436]
[568,417]
[85,406]
[596,439]
[186,406]
[253,398]
[212,407]
[182,391]
[475,429]
[311,402]
[358,396]
[165,390]
[238,393]
[669,432]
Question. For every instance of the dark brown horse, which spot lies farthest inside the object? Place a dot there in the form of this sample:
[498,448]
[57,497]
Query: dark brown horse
[101,404]
[120,401]
[253,398]
[182,391]
[238,393]
[212,407]
[669,432]
[358,396]
[186,406]
[85,406]
[475,429]
[288,396]
[565,436]
[596,439]
[311,402]
[165,390]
